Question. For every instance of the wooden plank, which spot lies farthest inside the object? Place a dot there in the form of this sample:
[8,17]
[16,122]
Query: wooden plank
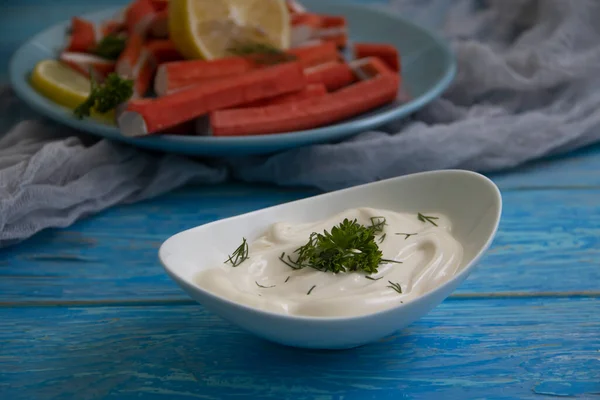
[463,349]
[548,242]
[574,170]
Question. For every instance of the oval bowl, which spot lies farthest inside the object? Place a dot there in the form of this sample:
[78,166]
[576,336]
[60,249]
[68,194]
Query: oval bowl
[471,201]
[428,67]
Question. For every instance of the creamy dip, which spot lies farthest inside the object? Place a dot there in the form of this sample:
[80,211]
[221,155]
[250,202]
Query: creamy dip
[429,256]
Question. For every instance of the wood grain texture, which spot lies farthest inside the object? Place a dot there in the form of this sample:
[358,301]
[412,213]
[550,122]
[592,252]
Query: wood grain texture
[525,325]
[548,241]
[519,349]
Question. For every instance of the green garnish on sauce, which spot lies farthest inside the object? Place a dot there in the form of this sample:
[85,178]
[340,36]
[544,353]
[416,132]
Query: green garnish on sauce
[349,247]
[425,218]
[239,255]
[395,286]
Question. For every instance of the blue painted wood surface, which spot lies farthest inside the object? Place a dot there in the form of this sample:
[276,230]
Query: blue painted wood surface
[87,312]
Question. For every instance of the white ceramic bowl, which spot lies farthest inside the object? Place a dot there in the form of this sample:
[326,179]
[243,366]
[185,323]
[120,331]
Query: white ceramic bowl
[471,201]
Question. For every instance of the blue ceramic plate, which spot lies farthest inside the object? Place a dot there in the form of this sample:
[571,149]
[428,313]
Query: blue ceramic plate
[428,67]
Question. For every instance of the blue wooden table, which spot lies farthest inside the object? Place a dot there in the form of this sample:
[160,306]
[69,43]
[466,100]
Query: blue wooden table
[88,313]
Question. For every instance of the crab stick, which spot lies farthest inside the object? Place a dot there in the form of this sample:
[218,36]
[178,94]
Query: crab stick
[83,35]
[145,116]
[333,29]
[174,76]
[110,27]
[160,5]
[310,91]
[334,75]
[139,17]
[309,113]
[159,28]
[85,64]
[320,53]
[369,67]
[143,79]
[304,28]
[386,52]
[132,58]
[163,51]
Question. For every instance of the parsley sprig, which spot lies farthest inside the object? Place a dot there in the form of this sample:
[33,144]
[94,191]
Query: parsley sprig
[349,247]
[110,47]
[105,97]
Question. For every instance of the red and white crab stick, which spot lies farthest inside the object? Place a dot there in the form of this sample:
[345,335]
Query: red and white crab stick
[309,113]
[174,76]
[83,36]
[386,52]
[139,16]
[310,91]
[145,116]
[309,26]
[334,75]
[369,67]
[84,63]
[163,51]
[159,28]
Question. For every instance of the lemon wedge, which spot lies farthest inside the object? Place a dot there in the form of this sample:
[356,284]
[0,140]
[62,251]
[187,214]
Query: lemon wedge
[64,86]
[207,29]
[60,83]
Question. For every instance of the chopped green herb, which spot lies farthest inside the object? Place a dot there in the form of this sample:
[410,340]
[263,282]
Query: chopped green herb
[110,47]
[377,224]
[406,235]
[311,289]
[391,261]
[348,247]
[105,97]
[260,52]
[239,255]
[395,286]
[425,218]
[287,279]
[373,279]
[264,287]
[382,238]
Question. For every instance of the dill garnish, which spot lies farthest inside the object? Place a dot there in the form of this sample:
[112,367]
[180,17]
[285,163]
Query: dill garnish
[373,279]
[260,52]
[377,224]
[287,279]
[395,286]
[382,238]
[406,235]
[311,289]
[239,255]
[264,287]
[425,218]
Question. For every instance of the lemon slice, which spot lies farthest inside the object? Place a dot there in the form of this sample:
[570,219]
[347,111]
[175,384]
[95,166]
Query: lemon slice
[64,86]
[60,83]
[207,29]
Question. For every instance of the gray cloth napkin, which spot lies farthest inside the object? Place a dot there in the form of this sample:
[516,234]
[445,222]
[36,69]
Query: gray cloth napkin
[527,87]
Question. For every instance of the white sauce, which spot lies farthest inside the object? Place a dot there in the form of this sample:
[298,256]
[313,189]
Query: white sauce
[429,259]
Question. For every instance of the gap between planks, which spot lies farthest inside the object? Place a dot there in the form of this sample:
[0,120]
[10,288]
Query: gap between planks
[187,302]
